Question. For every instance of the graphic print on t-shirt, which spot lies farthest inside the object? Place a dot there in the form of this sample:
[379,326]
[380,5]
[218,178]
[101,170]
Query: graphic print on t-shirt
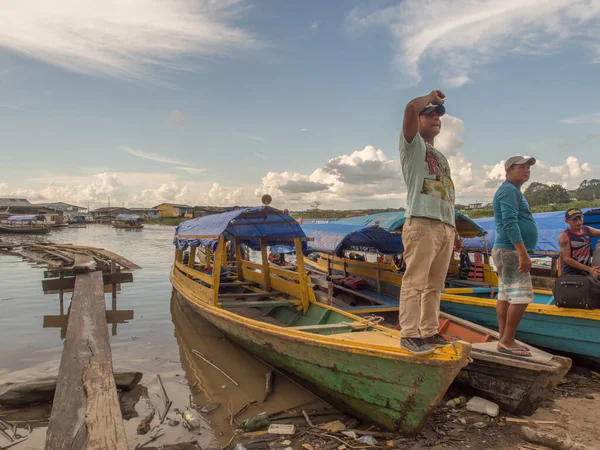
[437,181]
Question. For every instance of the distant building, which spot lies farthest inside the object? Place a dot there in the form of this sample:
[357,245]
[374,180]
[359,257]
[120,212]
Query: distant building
[108,213]
[61,206]
[174,210]
[474,206]
[53,217]
[6,202]
[149,213]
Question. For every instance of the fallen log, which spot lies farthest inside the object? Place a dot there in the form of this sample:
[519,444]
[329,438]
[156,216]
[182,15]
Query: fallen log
[42,390]
[550,440]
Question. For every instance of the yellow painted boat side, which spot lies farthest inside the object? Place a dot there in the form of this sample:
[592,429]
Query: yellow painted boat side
[536,308]
[388,347]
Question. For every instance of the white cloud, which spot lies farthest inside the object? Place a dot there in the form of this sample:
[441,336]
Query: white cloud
[125,39]
[304,130]
[10,106]
[190,170]
[261,155]
[252,137]
[473,182]
[315,25]
[152,156]
[359,179]
[584,119]
[461,35]
[177,118]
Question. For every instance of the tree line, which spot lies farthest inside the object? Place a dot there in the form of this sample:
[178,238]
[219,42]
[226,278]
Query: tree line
[547,194]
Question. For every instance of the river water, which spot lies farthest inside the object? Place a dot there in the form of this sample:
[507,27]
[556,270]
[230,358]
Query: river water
[158,341]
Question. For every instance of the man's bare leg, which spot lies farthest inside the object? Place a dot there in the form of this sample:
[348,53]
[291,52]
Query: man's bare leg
[501,313]
[513,318]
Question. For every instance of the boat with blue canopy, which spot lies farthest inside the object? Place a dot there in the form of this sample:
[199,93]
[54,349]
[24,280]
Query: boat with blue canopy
[31,224]
[367,288]
[570,330]
[337,238]
[272,312]
[128,222]
[394,221]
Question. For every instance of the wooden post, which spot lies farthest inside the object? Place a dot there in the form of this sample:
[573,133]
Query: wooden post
[178,255]
[192,259]
[265,264]
[113,269]
[61,295]
[208,255]
[238,258]
[302,274]
[86,412]
[217,269]
[378,278]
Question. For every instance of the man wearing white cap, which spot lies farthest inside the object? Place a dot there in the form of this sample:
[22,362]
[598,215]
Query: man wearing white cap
[429,231]
[516,237]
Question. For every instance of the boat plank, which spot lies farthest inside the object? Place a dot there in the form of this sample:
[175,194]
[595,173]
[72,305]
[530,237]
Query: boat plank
[87,343]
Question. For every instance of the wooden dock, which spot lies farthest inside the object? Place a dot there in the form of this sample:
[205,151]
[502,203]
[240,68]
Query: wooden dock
[85,412]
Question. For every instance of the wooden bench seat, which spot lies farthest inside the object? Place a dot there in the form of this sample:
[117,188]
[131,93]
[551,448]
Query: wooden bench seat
[256,304]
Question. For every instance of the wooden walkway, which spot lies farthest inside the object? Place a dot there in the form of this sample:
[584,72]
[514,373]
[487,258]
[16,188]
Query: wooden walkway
[86,412]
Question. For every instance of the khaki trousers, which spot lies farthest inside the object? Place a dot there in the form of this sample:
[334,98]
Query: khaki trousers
[428,246]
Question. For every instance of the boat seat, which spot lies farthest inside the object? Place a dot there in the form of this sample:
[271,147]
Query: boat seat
[256,304]
[250,295]
[238,283]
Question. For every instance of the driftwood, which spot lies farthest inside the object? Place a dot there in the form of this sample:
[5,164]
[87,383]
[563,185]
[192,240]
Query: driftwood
[550,440]
[144,425]
[42,390]
[268,385]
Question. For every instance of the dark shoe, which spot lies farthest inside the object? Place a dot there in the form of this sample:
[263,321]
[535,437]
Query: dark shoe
[437,340]
[416,346]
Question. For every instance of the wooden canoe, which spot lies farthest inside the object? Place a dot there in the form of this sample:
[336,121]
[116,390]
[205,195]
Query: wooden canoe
[272,312]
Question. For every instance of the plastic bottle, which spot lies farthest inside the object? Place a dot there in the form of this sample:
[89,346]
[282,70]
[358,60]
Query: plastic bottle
[483,406]
[256,423]
[367,440]
[456,402]
[192,418]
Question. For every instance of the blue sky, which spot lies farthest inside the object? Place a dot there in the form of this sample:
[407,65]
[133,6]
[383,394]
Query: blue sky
[148,101]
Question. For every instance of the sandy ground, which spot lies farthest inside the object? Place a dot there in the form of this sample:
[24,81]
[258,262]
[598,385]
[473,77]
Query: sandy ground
[574,406]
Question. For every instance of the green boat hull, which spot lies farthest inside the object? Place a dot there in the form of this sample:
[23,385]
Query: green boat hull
[394,393]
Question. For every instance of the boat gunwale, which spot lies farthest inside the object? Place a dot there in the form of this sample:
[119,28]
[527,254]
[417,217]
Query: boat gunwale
[534,308]
[438,358]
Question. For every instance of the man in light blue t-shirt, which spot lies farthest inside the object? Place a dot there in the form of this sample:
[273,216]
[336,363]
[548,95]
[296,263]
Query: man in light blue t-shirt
[429,232]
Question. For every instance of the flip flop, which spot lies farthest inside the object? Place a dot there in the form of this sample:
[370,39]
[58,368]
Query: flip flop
[513,351]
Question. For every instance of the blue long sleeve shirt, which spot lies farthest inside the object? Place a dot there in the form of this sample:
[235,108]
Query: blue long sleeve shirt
[514,221]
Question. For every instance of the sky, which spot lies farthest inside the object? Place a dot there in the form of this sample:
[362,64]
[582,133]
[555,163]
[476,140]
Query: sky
[217,102]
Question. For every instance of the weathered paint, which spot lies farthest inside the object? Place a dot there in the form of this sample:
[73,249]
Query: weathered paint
[385,385]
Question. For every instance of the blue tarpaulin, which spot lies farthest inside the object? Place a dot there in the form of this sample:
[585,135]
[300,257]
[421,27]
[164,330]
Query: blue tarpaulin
[281,248]
[336,237]
[26,218]
[126,217]
[550,225]
[248,224]
[466,226]
[591,218]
